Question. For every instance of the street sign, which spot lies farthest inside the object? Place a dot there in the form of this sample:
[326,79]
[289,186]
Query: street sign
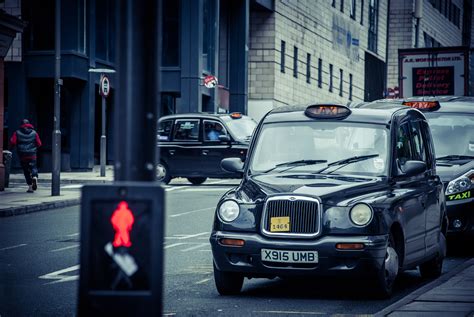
[104,88]
[121,269]
[210,81]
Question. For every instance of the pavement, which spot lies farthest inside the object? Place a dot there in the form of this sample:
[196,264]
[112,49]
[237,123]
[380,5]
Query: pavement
[452,294]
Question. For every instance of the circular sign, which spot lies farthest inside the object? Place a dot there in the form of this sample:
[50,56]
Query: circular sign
[104,86]
[210,81]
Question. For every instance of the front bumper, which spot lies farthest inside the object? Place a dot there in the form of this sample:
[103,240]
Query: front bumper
[462,211]
[350,263]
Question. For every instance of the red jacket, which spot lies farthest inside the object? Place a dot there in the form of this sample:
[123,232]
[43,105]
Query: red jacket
[33,144]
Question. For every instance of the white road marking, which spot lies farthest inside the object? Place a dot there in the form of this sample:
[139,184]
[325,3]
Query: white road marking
[289,312]
[203,281]
[189,236]
[13,247]
[200,245]
[72,234]
[72,186]
[205,250]
[65,248]
[173,245]
[59,278]
[190,212]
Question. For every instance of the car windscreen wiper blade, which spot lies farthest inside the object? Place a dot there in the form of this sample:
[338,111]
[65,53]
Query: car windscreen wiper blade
[296,163]
[455,157]
[348,160]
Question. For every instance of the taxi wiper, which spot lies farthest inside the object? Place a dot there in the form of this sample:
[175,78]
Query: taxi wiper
[296,163]
[455,157]
[347,161]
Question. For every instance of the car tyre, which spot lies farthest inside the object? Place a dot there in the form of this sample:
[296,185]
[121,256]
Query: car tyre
[388,273]
[434,267]
[163,173]
[228,283]
[197,180]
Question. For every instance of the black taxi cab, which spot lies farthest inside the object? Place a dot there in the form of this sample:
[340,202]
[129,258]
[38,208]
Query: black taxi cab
[193,145]
[328,190]
[451,120]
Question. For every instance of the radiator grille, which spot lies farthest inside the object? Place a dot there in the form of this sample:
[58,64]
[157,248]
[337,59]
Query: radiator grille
[302,211]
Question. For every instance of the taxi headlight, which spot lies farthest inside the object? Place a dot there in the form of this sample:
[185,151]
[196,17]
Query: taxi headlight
[460,184]
[229,211]
[361,214]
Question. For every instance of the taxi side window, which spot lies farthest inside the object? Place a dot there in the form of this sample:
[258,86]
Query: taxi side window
[403,144]
[428,144]
[164,130]
[418,142]
[212,130]
[186,130]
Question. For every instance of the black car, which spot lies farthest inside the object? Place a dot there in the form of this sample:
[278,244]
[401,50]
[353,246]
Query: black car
[452,124]
[193,145]
[328,190]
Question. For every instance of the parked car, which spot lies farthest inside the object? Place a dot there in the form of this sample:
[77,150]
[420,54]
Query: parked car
[328,190]
[193,145]
[452,123]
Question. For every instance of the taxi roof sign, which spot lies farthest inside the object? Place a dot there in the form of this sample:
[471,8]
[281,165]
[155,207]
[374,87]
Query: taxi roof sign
[236,115]
[423,105]
[327,111]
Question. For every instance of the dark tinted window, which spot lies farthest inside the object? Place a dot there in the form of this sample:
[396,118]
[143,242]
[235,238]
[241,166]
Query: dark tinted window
[164,130]
[186,130]
[418,142]
[403,144]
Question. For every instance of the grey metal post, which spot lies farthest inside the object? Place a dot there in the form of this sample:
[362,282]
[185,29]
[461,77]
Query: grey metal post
[55,181]
[103,141]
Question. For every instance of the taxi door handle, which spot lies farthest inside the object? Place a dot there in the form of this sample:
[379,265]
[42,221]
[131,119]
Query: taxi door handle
[171,152]
[205,152]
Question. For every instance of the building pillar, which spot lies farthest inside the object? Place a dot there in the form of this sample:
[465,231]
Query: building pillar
[191,56]
[238,73]
[2,108]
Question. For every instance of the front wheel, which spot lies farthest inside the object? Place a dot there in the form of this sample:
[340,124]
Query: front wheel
[228,283]
[197,180]
[388,274]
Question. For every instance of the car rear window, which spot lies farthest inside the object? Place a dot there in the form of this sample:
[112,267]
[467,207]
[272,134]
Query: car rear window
[186,130]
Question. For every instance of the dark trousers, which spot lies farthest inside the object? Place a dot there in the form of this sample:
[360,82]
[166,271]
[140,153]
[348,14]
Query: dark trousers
[29,170]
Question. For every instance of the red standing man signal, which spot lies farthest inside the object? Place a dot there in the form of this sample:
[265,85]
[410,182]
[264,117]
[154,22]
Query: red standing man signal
[122,220]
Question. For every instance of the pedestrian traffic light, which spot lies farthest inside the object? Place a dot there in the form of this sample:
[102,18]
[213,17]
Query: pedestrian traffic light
[121,249]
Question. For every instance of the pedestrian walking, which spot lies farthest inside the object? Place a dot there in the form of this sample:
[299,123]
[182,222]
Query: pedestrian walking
[27,142]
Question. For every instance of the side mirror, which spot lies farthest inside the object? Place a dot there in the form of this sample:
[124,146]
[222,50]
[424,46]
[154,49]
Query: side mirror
[411,168]
[233,165]
[224,138]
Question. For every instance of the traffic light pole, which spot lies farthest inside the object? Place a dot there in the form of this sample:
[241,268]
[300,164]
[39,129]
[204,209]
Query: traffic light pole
[122,224]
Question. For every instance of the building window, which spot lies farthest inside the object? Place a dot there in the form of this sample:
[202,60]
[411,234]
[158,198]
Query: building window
[353,9]
[320,73]
[350,86]
[170,42]
[105,30]
[373,24]
[208,41]
[295,62]
[342,6]
[341,78]
[333,3]
[430,41]
[308,68]
[362,12]
[39,33]
[282,57]
[330,77]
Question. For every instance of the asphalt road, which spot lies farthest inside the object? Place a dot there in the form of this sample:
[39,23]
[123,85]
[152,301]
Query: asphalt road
[39,262]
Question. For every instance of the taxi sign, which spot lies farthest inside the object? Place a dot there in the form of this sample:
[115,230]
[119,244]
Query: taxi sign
[327,111]
[423,105]
[236,115]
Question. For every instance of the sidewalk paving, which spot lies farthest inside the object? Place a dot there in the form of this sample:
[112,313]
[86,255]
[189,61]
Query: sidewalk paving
[450,295]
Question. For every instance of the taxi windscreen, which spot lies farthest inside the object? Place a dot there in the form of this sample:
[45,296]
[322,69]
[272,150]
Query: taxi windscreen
[335,147]
[453,133]
[241,128]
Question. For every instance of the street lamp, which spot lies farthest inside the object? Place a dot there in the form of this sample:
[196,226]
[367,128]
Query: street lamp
[104,89]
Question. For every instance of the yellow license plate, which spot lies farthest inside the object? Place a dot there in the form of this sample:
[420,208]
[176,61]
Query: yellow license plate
[280,224]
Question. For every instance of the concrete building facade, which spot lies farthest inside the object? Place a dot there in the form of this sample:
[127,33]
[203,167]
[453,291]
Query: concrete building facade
[317,51]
